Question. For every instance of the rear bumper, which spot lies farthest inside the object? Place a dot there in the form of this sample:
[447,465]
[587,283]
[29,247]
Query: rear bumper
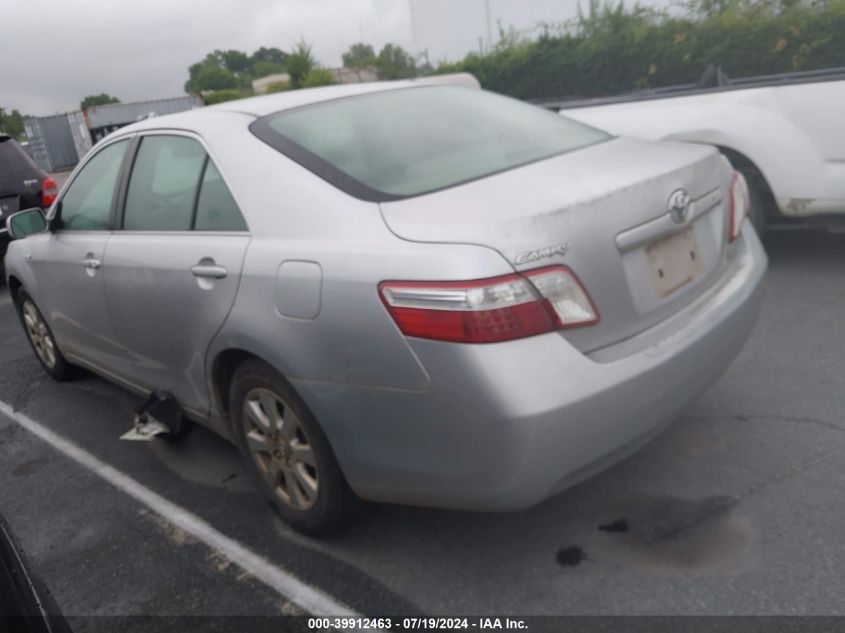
[507,425]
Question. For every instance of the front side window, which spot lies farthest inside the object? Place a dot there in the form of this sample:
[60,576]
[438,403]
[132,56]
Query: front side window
[400,143]
[88,202]
[163,184]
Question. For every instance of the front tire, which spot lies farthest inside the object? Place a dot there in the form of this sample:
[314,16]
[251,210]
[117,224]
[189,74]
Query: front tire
[41,339]
[286,452]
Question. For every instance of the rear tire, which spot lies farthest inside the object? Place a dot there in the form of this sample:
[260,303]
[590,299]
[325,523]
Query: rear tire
[756,206]
[286,452]
[761,202]
[41,339]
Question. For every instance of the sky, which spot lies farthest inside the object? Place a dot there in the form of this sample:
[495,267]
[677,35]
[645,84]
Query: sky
[64,50]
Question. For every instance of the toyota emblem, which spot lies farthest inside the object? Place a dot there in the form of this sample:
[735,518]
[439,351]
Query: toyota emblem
[680,206]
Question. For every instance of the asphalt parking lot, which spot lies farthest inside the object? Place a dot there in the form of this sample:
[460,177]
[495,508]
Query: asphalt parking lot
[736,509]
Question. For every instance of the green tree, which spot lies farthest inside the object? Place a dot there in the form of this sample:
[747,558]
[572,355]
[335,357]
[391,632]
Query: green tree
[612,48]
[263,68]
[96,100]
[425,68]
[209,74]
[222,70]
[235,62]
[394,62]
[299,63]
[278,86]
[359,56]
[212,77]
[230,94]
[270,55]
[11,123]
[318,77]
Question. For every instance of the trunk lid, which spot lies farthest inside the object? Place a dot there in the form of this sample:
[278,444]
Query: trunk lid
[603,212]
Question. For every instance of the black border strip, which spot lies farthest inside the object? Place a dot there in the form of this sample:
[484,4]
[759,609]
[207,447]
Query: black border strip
[119,204]
[197,192]
[316,165]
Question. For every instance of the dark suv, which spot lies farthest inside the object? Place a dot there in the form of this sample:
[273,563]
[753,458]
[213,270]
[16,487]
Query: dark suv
[22,184]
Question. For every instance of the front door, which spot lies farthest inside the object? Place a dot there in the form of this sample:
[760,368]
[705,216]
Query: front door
[174,267]
[69,264]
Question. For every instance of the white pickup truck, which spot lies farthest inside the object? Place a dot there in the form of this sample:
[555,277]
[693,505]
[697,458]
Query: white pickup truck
[786,133]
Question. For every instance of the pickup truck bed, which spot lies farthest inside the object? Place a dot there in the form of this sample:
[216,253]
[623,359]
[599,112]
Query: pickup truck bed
[786,133]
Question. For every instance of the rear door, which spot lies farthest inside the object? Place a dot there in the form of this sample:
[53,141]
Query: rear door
[175,264]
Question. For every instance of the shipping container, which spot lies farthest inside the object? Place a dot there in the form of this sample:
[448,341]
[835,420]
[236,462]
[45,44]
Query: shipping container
[58,142]
[51,142]
[105,119]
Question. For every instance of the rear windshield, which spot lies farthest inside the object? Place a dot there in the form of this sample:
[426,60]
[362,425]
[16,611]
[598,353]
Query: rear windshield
[400,143]
[15,167]
[13,158]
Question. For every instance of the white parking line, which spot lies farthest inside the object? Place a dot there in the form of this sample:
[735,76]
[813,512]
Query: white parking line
[309,598]
[5,300]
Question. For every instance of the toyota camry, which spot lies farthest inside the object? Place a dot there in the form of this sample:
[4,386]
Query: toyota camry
[409,292]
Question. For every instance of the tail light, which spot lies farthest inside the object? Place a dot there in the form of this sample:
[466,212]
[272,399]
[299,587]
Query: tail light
[490,310]
[738,204]
[49,191]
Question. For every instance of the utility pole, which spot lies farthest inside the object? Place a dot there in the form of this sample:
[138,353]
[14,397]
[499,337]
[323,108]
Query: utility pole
[412,14]
[489,29]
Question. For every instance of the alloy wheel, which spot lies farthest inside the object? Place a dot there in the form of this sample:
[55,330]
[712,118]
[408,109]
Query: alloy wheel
[281,448]
[39,334]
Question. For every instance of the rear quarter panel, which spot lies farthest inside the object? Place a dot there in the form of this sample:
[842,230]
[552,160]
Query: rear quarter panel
[296,217]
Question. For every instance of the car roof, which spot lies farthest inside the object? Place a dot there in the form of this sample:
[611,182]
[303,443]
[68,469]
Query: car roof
[278,102]
[268,104]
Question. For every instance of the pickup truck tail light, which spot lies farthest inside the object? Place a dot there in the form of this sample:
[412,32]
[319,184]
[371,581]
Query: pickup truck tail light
[738,203]
[49,191]
[490,310]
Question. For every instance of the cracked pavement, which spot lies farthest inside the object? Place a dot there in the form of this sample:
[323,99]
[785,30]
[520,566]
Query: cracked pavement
[737,508]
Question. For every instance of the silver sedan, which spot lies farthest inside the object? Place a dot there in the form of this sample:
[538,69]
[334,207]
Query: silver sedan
[403,292]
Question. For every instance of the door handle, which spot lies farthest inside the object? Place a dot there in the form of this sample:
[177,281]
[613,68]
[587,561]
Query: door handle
[92,263]
[211,270]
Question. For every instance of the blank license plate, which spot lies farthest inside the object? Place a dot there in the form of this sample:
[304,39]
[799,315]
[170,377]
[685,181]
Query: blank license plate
[674,261]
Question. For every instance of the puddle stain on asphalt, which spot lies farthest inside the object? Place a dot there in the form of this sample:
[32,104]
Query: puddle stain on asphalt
[620,525]
[570,556]
[202,458]
[28,467]
[676,534]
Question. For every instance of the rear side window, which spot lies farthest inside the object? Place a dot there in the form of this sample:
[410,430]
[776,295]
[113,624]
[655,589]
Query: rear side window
[174,186]
[400,143]
[216,208]
[87,204]
[163,184]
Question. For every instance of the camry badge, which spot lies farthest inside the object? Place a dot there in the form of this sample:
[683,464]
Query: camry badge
[542,253]
[680,206]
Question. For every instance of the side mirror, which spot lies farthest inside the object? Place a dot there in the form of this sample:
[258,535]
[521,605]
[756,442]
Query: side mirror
[26,222]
